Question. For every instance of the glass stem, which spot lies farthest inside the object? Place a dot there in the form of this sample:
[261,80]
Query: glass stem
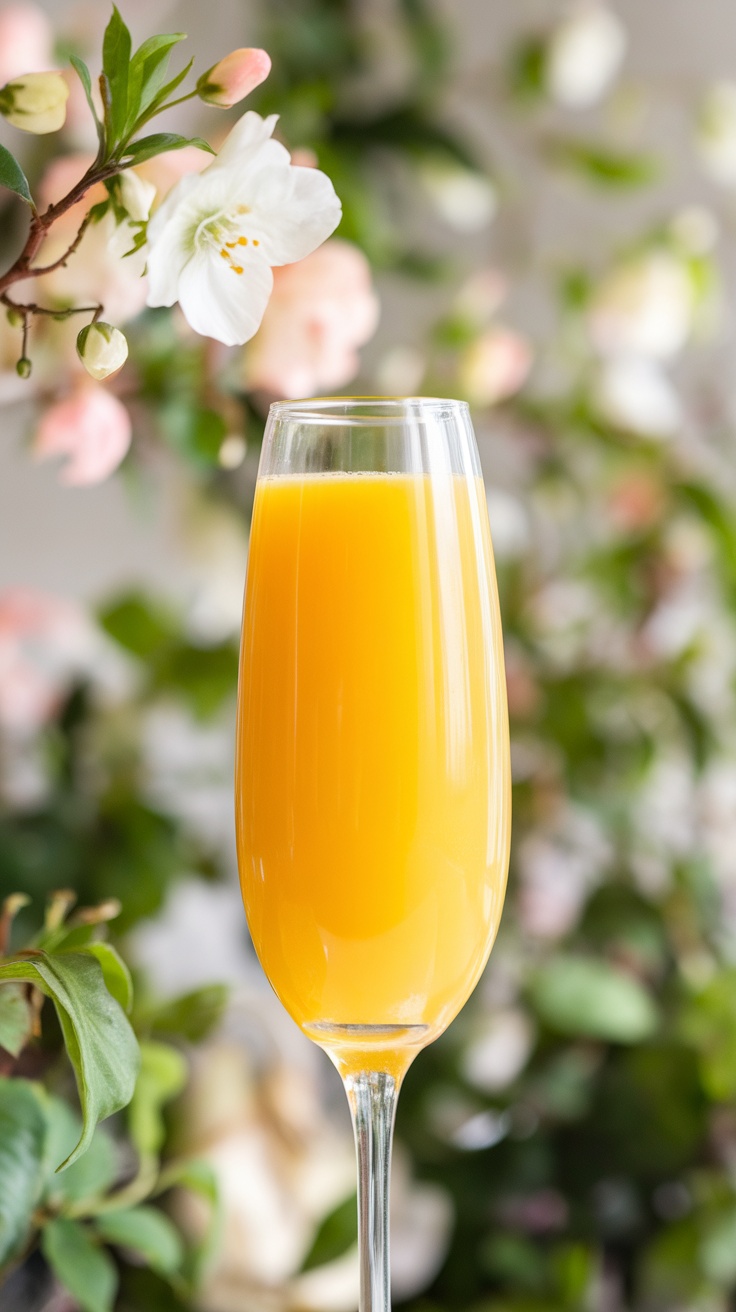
[372,1096]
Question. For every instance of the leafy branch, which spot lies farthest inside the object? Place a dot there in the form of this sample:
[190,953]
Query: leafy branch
[78,1209]
[133,89]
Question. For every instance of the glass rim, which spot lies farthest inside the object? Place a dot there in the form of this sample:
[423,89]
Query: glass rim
[345,410]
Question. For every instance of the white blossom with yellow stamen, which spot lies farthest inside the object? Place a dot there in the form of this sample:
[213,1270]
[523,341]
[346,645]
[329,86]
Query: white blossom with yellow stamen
[219,233]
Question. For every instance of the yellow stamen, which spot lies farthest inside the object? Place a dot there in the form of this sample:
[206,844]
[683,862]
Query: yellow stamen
[236,268]
[242,241]
[224,254]
[256,241]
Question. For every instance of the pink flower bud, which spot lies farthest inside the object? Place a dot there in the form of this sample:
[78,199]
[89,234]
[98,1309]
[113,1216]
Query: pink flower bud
[234,77]
[92,428]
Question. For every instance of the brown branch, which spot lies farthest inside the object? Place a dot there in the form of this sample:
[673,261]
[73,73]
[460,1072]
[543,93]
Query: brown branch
[30,307]
[60,263]
[22,268]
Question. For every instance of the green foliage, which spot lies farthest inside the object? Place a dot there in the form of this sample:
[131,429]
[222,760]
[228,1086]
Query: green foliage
[586,997]
[98,1039]
[22,1150]
[337,1233]
[12,176]
[193,1016]
[148,1233]
[602,166]
[158,143]
[162,1075]
[203,676]
[77,1213]
[16,1018]
[85,1269]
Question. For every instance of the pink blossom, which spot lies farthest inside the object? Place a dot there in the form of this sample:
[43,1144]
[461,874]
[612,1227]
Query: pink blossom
[494,366]
[26,42]
[321,310]
[92,428]
[42,640]
[234,77]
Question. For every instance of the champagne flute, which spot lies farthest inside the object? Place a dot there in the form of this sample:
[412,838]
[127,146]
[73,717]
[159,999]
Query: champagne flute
[372,777]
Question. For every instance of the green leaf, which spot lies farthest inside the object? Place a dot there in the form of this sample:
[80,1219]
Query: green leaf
[23,1130]
[198,1176]
[117,977]
[528,69]
[192,1016]
[583,996]
[162,1076]
[336,1234]
[157,144]
[137,625]
[708,1023]
[147,1232]
[98,1038]
[83,73]
[116,50]
[13,177]
[718,1250]
[150,63]
[205,676]
[92,1174]
[162,95]
[16,1018]
[604,168]
[84,1269]
[196,432]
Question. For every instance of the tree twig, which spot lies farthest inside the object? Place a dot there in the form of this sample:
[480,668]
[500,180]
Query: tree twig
[59,264]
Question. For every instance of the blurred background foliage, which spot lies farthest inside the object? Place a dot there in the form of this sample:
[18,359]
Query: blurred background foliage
[570,1143]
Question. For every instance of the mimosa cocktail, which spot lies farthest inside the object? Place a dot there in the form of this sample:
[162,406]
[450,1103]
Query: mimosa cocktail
[372,788]
[372,767]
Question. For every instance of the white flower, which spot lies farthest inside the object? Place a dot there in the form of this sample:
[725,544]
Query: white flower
[636,394]
[102,349]
[645,306]
[584,55]
[218,234]
[716,133]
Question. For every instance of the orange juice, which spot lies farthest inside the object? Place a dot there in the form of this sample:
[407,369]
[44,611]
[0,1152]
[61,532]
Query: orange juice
[372,789]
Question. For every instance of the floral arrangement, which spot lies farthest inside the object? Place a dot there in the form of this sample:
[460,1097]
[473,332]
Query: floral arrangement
[570,1143]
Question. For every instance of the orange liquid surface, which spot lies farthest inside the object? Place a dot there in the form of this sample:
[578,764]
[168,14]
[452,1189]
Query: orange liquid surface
[372,788]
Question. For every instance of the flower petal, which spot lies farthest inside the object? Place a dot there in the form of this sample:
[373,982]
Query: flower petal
[244,142]
[167,247]
[218,302]
[297,210]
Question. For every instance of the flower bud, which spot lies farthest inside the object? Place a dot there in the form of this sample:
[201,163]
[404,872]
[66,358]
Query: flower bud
[35,102]
[102,349]
[23,367]
[136,195]
[234,77]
